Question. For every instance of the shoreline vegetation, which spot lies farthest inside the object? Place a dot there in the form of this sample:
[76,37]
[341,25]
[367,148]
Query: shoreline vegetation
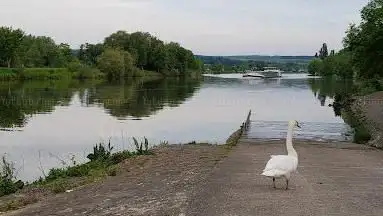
[102,163]
[359,62]
[121,55]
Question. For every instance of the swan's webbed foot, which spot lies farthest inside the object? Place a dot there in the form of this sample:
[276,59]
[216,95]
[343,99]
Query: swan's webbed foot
[274,182]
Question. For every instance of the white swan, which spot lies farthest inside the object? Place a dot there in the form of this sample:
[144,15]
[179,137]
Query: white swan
[282,165]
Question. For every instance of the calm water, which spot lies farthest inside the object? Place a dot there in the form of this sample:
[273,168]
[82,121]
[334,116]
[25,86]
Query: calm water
[49,121]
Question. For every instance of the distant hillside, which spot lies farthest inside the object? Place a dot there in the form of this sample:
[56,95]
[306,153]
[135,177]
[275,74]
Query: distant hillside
[236,60]
[219,60]
[277,59]
[221,64]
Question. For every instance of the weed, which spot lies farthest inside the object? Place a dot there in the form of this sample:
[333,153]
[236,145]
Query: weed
[8,183]
[139,149]
[100,152]
[102,163]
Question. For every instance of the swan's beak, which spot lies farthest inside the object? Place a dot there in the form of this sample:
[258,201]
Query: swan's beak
[298,125]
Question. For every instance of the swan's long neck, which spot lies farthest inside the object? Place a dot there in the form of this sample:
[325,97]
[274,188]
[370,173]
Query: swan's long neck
[289,143]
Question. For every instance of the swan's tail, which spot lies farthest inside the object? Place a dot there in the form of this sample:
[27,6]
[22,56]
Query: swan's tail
[273,173]
[269,173]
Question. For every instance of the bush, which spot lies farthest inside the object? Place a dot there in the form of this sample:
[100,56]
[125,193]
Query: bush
[112,63]
[8,183]
[361,135]
[74,66]
[100,152]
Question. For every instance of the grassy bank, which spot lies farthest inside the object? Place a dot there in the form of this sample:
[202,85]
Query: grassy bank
[347,104]
[102,163]
[62,73]
[353,116]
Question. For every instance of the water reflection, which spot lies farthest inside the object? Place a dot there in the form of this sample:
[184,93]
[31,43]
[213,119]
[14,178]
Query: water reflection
[331,88]
[19,101]
[63,118]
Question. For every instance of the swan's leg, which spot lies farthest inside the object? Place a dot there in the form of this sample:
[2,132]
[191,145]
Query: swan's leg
[274,182]
[287,177]
[287,183]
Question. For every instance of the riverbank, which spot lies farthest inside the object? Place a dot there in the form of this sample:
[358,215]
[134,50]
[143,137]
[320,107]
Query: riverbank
[202,179]
[63,73]
[368,110]
[158,182]
[80,73]
[183,163]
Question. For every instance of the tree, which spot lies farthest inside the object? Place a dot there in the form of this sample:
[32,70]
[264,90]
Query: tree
[315,67]
[112,63]
[10,41]
[65,53]
[150,53]
[342,65]
[90,52]
[365,42]
[128,63]
[323,52]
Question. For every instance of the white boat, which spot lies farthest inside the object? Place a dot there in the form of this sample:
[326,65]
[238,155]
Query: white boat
[267,72]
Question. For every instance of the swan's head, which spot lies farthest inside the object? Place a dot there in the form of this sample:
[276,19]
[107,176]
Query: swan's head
[294,123]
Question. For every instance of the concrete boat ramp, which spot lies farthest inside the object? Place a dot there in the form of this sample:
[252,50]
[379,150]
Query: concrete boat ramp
[336,178]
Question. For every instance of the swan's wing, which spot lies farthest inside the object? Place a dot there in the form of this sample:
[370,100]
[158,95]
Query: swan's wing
[282,163]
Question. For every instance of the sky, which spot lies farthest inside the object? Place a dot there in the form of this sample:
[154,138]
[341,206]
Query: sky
[207,27]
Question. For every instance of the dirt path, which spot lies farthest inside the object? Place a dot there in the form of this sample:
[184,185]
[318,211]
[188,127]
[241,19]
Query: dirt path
[336,179]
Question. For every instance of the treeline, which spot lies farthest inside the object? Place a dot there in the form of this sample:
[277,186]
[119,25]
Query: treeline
[361,57]
[360,61]
[328,64]
[120,55]
[20,50]
[241,66]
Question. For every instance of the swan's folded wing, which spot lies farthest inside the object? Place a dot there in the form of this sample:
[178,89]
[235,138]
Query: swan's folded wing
[282,163]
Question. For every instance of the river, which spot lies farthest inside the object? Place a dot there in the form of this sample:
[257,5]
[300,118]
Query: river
[44,123]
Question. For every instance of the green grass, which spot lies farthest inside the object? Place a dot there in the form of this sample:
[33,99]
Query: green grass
[8,74]
[102,163]
[78,72]
[88,73]
[44,73]
[34,73]
[144,73]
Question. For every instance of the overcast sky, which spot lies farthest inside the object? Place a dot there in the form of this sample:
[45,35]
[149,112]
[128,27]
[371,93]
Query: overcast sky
[209,27]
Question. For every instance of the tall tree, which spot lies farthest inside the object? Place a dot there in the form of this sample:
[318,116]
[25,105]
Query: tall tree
[365,41]
[10,41]
[323,52]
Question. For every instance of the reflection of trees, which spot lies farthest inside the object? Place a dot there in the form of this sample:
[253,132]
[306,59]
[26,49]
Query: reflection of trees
[339,90]
[329,88]
[19,100]
[139,99]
